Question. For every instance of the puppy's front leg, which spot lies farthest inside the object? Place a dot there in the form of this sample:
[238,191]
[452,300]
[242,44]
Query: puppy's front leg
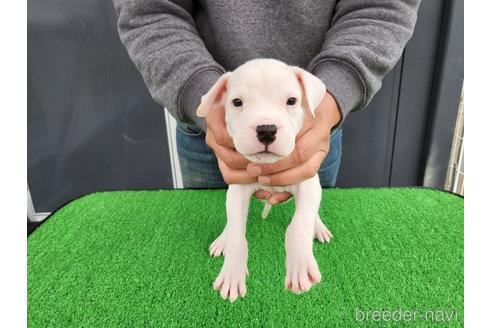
[232,278]
[302,268]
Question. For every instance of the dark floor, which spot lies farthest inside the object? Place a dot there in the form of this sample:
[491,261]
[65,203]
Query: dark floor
[31,226]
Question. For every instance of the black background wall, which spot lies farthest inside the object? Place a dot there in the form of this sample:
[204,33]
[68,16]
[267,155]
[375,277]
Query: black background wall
[92,125]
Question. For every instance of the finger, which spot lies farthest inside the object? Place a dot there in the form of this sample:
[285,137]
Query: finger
[307,146]
[234,176]
[262,194]
[215,121]
[296,174]
[279,197]
[223,138]
[255,170]
[306,126]
[231,157]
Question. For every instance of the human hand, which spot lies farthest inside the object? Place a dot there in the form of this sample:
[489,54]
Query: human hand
[311,148]
[232,165]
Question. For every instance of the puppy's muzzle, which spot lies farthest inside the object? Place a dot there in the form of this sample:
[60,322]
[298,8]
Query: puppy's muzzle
[266,133]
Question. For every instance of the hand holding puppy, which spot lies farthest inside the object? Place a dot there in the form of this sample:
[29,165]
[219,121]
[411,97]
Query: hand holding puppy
[232,165]
[311,148]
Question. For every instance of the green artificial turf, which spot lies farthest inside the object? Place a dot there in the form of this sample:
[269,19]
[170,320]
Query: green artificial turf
[139,259]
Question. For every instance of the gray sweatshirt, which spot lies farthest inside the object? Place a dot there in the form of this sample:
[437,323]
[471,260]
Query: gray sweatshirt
[182,47]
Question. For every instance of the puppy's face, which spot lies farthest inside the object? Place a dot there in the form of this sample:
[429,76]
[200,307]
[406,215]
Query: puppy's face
[265,102]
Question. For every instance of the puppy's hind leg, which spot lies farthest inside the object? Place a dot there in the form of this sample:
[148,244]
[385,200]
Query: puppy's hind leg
[217,247]
[321,232]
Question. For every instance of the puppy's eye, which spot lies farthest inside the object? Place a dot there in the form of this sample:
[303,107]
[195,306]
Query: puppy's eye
[237,102]
[291,101]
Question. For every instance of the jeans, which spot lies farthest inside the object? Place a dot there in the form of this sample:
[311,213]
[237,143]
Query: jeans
[199,166]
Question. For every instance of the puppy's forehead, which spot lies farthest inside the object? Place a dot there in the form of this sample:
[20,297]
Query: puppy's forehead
[263,76]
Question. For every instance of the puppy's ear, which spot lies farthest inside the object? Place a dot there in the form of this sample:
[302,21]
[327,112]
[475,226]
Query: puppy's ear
[313,89]
[214,96]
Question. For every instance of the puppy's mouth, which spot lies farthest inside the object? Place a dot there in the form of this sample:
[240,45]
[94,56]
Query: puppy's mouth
[264,152]
[260,153]
[263,157]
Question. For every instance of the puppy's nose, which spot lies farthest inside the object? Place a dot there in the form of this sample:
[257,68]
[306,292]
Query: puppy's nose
[266,133]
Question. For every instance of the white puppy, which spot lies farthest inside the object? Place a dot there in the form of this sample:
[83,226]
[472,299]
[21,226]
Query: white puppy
[265,102]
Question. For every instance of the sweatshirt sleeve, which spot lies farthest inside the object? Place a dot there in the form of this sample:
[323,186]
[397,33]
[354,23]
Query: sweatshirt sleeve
[364,42]
[163,43]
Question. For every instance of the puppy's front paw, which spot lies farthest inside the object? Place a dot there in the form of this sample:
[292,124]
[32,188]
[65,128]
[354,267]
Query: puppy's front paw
[301,266]
[302,273]
[231,280]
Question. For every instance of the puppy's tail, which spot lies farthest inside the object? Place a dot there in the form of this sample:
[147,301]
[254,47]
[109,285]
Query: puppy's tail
[266,210]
